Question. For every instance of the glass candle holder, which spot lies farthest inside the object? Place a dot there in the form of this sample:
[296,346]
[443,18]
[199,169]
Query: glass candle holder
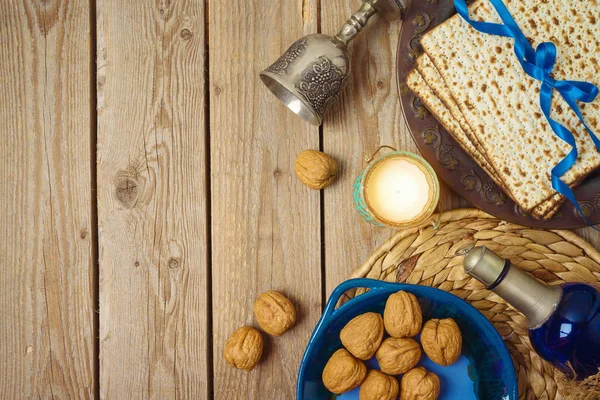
[398,189]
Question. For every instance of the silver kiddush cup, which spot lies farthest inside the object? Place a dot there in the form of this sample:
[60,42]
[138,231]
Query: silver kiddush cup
[313,71]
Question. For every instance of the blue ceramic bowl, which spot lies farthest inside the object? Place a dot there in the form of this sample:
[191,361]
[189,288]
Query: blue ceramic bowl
[484,371]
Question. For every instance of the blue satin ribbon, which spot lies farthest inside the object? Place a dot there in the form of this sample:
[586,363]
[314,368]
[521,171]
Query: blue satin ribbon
[539,64]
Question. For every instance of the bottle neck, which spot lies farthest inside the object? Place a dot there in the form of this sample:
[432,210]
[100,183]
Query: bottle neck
[536,300]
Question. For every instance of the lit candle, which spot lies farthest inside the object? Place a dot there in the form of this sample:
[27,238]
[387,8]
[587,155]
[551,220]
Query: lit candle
[399,189]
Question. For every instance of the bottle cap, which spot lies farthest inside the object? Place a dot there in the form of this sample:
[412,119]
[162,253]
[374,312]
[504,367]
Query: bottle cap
[483,265]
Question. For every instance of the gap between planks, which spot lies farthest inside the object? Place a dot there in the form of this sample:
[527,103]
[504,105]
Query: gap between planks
[209,292]
[95,267]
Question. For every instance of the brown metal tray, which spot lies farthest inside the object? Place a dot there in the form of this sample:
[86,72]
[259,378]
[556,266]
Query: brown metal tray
[455,167]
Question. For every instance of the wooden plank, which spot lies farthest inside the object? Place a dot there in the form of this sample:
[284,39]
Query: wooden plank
[47,280]
[265,224]
[367,115]
[590,235]
[152,202]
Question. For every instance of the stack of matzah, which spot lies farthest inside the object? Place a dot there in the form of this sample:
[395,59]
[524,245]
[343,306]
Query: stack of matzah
[474,85]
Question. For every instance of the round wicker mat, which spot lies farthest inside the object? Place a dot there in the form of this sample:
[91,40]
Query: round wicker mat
[426,256]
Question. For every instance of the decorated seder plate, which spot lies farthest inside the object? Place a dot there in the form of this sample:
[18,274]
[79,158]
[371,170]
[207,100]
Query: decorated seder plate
[451,163]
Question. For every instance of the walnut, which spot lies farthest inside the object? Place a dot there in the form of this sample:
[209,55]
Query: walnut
[343,372]
[419,384]
[274,312]
[316,169]
[379,386]
[442,341]
[362,335]
[398,355]
[402,315]
[244,348]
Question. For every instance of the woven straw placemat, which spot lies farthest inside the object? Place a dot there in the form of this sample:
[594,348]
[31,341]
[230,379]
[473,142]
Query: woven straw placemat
[426,256]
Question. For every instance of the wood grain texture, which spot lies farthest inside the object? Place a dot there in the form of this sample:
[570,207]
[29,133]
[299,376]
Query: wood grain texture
[265,223]
[46,284]
[367,115]
[590,235]
[152,200]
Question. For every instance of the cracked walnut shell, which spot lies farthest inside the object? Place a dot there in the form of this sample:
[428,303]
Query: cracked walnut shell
[244,348]
[379,386]
[343,372]
[274,312]
[315,169]
[419,384]
[398,355]
[402,316]
[362,335]
[442,341]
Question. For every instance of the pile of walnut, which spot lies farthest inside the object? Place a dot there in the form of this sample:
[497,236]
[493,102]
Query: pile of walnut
[399,354]
[275,314]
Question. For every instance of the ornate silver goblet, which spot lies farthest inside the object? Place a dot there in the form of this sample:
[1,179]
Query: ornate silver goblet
[313,71]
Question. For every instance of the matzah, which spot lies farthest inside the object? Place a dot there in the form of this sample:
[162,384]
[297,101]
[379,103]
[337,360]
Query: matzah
[546,208]
[500,103]
[415,82]
[423,90]
[464,136]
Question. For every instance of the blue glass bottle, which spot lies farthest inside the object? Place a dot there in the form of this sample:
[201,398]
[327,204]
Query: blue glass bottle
[564,320]
[572,333]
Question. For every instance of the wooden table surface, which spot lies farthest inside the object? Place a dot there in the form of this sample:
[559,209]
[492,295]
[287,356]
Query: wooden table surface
[148,193]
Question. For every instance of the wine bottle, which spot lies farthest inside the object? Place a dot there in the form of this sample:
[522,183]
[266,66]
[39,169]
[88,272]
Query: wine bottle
[564,320]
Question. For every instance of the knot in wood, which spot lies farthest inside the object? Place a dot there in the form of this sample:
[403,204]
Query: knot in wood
[173,263]
[127,192]
[186,34]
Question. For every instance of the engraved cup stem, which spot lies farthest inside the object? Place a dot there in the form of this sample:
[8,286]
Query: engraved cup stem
[312,72]
[356,22]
